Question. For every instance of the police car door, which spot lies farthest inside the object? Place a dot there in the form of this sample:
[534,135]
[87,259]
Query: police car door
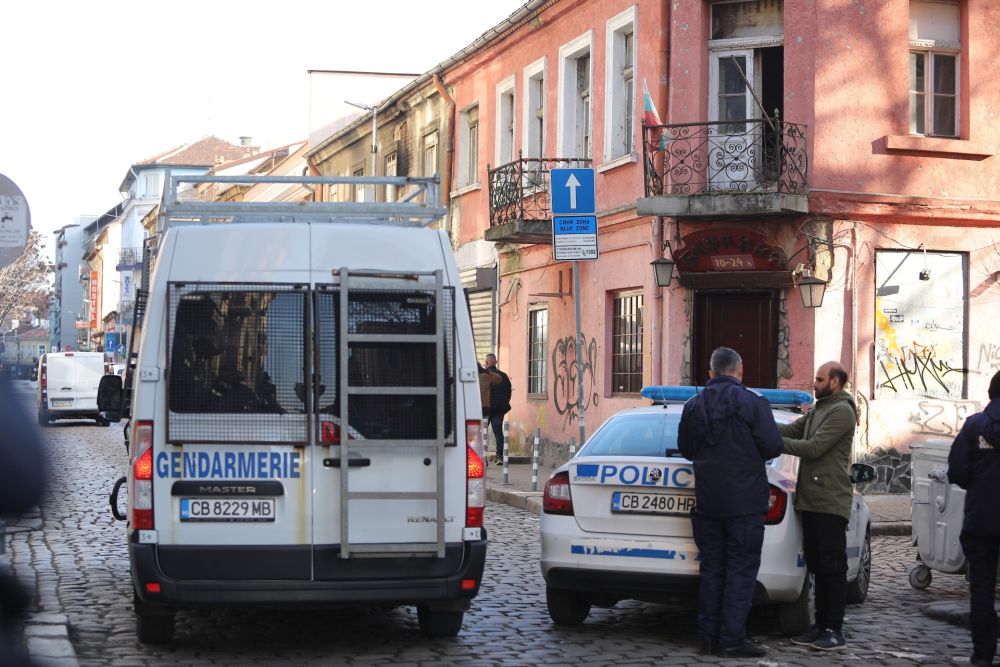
[384,356]
[234,465]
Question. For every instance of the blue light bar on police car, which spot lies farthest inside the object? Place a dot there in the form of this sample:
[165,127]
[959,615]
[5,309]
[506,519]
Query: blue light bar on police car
[680,394]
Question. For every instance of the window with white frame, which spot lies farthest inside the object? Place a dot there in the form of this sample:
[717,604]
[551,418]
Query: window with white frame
[151,184]
[428,153]
[390,170]
[935,53]
[468,146]
[574,98]
[505,121]
[538,337]
[626,343]
[619,107]
[359,190]
[534,109]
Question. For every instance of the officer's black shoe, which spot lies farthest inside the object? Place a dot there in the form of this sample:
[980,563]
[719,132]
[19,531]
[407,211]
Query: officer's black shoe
[980,662]
[709,647]
[745,650]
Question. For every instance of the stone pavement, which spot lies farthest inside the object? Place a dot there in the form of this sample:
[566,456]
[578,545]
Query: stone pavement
[523,485]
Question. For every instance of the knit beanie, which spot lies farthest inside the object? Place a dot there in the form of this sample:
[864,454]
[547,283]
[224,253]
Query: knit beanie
[995,386]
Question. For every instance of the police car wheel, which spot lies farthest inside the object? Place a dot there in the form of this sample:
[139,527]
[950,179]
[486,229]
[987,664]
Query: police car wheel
[567,607]
[439,623]
[857,590]
[794,618]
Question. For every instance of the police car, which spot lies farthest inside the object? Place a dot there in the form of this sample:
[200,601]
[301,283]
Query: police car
[615,520]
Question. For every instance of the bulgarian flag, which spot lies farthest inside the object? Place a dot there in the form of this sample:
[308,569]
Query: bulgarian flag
[651,119]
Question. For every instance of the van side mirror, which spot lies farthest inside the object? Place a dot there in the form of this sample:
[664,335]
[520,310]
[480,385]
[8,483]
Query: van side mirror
[862,473]
[109,397]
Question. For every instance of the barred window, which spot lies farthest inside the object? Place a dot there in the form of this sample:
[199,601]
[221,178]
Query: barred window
[626,344]
[538,336]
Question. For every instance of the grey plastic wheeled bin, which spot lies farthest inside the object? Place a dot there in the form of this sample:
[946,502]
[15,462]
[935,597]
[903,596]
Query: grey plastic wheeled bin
[937,513]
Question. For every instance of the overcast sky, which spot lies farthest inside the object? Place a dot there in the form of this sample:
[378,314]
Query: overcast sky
[89,88]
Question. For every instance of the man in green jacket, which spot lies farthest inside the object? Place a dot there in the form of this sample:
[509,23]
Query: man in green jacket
[822,439]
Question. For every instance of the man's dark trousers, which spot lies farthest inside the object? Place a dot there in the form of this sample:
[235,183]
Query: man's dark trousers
[824,540]
[729,550]
[496,421]
[981,551]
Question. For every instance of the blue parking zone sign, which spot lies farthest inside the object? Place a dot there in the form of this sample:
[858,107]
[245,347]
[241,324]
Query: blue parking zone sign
[572,191]
[574,237]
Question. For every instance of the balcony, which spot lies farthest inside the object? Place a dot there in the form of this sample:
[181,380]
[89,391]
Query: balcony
[755,167]
[129,259]
[520,202]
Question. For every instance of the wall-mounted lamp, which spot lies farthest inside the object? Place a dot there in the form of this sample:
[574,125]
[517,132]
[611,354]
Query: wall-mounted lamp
[663,268]
[811,288]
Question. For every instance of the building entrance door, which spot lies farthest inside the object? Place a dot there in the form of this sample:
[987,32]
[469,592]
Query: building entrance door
[744,321]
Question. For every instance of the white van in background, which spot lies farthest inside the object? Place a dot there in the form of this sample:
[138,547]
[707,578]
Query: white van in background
[303,399]
[67,386]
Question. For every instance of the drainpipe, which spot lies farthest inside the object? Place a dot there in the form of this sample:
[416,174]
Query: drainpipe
[656,310]
[450,150]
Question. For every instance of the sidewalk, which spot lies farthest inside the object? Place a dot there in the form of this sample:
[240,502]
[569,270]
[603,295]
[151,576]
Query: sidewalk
[890,513]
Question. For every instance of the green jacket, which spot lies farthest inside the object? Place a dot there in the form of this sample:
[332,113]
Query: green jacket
[822,439]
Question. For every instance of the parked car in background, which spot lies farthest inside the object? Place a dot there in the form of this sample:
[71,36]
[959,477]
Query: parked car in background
[67,386]
[615,520]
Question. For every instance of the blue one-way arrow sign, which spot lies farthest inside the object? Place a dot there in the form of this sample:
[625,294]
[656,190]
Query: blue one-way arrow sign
[572,191]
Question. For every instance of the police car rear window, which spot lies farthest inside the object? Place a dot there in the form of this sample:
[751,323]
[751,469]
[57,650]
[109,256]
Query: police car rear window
[636,435]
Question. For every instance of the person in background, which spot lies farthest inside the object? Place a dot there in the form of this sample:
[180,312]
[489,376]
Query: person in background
[500,394]
[487,380]
[728,433]
[22,484]
[974,465]
[823,438]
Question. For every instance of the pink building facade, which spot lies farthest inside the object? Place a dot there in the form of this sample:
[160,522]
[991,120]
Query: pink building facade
[848,142]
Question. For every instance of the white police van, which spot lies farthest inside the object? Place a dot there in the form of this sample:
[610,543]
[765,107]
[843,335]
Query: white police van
[304,415]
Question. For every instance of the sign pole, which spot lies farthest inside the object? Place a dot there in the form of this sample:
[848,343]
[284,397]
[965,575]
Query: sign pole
[579,346]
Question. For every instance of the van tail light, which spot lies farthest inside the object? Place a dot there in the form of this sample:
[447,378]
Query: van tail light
[330,434]
[777,503]
[141,493]
[557,498]
[475,474]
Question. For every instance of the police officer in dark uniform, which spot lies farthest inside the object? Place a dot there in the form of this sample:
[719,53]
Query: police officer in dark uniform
[974,465]
[729,433]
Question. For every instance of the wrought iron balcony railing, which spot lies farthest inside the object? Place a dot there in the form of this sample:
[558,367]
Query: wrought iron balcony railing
[751,155]
[129,257]
[519,190]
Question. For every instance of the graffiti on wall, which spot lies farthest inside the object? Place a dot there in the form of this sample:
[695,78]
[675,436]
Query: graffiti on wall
[916,368]
[568,375]
[920,325]
[943,418]
[989,358]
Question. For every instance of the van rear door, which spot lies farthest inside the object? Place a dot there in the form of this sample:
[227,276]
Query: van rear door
[89,369]
[385,360]
[233,471]
[60,378]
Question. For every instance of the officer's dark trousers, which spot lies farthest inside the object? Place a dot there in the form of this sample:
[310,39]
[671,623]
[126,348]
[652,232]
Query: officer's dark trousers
[730,557]
[981,552]
[496,423]
[824,539]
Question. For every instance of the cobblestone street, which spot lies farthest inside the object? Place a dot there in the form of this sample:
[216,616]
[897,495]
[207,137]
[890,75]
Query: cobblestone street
[77,563]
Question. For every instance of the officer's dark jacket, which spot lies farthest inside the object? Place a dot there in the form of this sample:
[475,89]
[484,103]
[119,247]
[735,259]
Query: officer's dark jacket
[974,464]
[728,432]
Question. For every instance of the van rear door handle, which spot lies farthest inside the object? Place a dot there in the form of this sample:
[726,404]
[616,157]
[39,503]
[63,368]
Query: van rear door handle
[360,462]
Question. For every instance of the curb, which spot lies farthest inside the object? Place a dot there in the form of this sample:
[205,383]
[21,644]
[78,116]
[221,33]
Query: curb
[892,528]
[530,501]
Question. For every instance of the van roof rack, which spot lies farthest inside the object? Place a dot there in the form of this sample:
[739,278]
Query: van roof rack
[418,205]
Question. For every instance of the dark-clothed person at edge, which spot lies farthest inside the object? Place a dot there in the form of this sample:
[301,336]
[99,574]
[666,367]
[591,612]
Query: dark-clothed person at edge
[974,465]
[728,433]
[822,439]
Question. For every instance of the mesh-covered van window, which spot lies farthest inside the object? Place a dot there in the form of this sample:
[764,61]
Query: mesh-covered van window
[236,367]
[399,366]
